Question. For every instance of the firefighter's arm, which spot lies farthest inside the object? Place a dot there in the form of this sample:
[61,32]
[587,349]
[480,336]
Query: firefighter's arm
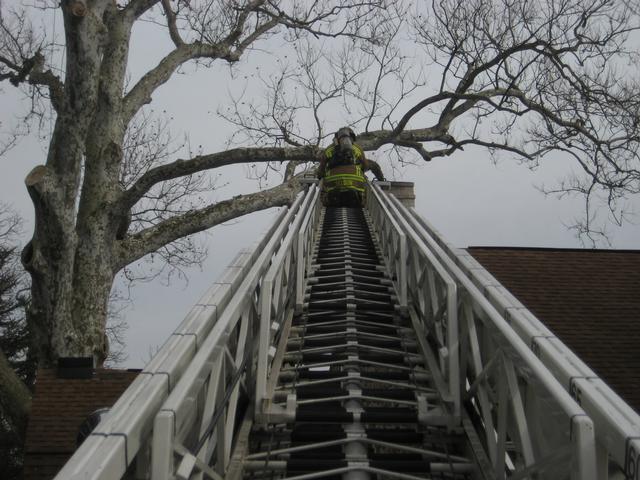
[375,168]
[322,165]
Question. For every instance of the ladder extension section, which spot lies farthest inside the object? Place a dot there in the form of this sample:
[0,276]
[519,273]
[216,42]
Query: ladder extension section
[616,425]
[357,344]
[365,406]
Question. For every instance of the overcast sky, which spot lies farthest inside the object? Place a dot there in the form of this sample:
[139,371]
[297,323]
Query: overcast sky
[466,197]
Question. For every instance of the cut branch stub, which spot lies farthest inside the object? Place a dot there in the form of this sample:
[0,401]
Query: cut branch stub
[78,8]
[44,190]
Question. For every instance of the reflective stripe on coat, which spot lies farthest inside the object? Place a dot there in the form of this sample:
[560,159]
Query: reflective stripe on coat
[345,177]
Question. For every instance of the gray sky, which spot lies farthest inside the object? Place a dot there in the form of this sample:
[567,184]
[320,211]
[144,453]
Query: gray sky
[468,198]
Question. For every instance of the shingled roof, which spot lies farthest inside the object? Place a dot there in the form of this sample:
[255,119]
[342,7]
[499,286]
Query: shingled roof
[60,406]
[590,299]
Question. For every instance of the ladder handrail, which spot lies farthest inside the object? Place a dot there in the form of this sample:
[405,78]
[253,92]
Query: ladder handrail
[224,364]
[281,283]
[474,306]
[413,245]
[617,425]
[118,439]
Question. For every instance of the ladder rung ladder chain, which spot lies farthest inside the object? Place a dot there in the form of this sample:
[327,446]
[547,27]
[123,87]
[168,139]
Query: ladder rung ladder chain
[360,383]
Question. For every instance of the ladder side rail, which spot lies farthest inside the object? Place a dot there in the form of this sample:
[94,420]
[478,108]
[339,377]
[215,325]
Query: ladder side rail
[208,388]
[393,244]
[115,442]
[276,295]
[617,424]
[498,355]
[306,242]
[432,292]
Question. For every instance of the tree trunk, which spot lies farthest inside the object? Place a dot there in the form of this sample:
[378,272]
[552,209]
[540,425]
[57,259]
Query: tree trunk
[71,261]
[70,256]
[70,289]
[49,257]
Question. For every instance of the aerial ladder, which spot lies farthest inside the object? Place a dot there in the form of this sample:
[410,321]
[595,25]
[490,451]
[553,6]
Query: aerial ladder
[358,344]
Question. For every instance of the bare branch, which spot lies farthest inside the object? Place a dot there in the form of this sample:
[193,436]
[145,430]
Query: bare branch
[205,162]
[153,238]
[172,24]
[21,58]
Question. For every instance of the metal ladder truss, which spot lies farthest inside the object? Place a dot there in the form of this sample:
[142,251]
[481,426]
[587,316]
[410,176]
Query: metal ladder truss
[357,343]
[191,370]
[527,425]
[617,425]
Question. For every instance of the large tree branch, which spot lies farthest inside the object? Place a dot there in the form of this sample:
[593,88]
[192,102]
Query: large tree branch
[141,93]
[139,7]
[233,45]
[154,238]
[181,168]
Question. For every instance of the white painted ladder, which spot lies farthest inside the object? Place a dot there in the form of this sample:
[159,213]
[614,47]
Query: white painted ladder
[492,373]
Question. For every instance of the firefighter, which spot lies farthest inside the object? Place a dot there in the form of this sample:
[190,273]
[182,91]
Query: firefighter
[342,167]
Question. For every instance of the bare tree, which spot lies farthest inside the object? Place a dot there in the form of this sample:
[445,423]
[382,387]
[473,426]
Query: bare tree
[532,80]
[524,78]
[84,207]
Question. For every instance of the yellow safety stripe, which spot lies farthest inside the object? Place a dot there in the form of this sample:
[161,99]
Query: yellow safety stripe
[345,181]
[345,185]
[345,176]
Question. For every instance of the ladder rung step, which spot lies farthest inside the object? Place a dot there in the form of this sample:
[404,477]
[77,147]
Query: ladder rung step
[400,465]
[340,330]
[365,257]
[335,340]
[388,375]
[306,392]
[380,342]
[319,391]
[332,414]
[329,305]
[341,286]
[392,393]
[319,374]
[353,248]
[322,357]
[339,241]
[329,374]
[382,357]
[395,435]
[362,305]
[316,433]
[341,338]
[314,464]
[326,454]
[361,298]
[324,414]
[389,359]
[389,415]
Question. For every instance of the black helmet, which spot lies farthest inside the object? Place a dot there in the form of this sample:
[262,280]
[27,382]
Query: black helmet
[345,131]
